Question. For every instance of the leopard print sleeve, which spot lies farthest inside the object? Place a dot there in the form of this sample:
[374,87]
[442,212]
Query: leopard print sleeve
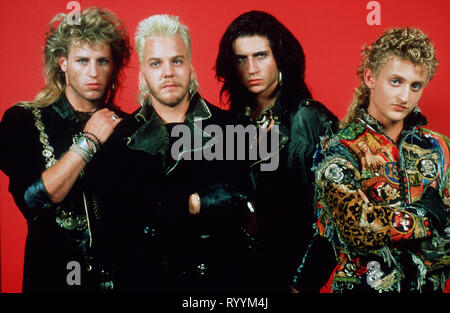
[359,223]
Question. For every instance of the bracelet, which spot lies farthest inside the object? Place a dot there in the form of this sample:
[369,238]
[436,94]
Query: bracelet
[81,147]
[92,143]
[95,137]
[87,155]
[83,140]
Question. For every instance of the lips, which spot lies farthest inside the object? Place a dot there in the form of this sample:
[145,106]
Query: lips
[400,108]
[93,86]
[254,82]
[170,85]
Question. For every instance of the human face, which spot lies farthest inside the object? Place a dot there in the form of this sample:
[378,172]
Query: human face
[395,91]
[88,69]
[167,70]
[255,64]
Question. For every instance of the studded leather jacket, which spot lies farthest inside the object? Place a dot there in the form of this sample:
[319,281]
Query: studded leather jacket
[375,204]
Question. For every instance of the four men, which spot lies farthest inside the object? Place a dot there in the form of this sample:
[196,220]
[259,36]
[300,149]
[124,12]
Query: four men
[179,221]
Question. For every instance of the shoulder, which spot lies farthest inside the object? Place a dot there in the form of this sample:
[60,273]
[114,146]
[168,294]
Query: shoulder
[220,115]
[442,140]
[16,110]
[17,116]
[334,144]
[313,109]
[434,134]
[119,111]
[313,116]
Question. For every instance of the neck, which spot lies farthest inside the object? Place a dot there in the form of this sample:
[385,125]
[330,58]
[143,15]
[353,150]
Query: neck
[393,130]
[263,101]
[81,105]
[172,114]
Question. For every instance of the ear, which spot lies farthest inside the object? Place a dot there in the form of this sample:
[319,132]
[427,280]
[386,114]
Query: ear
[369,78]
[62,60]
[192,75]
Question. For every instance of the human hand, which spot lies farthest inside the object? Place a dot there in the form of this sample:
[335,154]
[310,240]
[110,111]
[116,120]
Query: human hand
[101,124]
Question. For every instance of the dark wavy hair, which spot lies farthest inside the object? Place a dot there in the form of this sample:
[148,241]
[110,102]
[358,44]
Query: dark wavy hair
[286,49]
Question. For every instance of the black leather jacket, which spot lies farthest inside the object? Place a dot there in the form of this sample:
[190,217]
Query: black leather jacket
[284,197]
[57,234]
[162,246]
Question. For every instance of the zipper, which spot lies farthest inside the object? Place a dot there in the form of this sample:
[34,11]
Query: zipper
[272,154]
[86,210]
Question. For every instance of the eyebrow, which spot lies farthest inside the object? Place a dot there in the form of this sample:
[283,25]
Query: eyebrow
[254,53]
[88,57]
[398,76]
[171,58]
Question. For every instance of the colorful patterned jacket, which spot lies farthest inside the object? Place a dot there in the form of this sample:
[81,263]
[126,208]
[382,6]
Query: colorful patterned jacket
[367,193]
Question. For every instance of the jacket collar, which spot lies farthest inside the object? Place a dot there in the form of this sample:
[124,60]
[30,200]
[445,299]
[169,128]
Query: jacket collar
[198,110]
[414,119]
[64,109]
[153,137]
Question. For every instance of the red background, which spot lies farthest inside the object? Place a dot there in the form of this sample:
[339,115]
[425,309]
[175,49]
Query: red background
[331,32]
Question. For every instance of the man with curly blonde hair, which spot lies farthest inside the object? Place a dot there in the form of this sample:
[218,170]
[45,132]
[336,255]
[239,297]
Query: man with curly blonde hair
[48,144]
[387,223]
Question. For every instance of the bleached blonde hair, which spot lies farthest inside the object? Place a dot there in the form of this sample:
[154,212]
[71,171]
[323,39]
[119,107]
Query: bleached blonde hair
[165,26]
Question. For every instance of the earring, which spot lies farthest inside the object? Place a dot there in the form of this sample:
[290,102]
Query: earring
[280,79]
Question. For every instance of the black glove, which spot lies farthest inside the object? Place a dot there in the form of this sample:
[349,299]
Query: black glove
[224,201]
[435,209]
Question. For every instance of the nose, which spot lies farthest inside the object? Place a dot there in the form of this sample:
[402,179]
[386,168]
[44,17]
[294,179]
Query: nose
[252,66]
[403,95]
[167,70]
[93,70]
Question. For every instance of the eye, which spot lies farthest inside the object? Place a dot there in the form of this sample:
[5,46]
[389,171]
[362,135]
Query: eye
[241,59]
[416,86]
[261,55]
[103,61]
[395,82]
[177,61]
[154,63]
[82,61]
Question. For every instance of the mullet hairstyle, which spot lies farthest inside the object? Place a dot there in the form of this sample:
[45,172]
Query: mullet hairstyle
[286,49]
[165,26]
[404,43]
[95,26]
